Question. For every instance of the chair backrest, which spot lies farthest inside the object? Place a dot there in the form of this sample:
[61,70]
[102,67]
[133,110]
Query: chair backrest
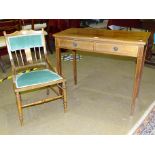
[26,47]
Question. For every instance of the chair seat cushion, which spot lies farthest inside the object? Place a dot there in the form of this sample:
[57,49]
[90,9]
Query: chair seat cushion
[36,77]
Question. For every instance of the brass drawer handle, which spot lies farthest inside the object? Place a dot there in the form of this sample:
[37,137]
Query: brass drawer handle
[74,44]
[115,48]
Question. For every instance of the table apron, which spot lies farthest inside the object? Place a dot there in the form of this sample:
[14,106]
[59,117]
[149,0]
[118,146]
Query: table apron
[99,47]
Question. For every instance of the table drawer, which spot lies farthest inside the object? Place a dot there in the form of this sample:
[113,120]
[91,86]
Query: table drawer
[116,49]
[76,44]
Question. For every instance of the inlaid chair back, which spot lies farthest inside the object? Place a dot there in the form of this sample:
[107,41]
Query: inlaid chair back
[26,47]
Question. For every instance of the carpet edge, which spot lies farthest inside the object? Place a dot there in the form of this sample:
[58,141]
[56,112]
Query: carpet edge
[133,129]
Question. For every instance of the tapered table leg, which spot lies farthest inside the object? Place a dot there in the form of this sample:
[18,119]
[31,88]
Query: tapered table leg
[74,67]
[143,61]
[58,60]
[138,75]
[59,65]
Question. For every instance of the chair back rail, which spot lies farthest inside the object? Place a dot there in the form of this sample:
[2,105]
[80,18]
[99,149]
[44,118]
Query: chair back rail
[26,47]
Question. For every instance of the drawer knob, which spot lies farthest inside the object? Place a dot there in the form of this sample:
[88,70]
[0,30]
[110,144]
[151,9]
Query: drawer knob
[115,48]
[74,44]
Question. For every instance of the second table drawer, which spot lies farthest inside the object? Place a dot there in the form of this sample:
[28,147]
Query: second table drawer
[116,49]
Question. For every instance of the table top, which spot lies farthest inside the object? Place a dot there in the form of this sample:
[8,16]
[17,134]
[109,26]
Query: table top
[95,34]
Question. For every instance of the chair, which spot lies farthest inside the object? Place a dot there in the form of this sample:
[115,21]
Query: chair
[27,50]
[8,25]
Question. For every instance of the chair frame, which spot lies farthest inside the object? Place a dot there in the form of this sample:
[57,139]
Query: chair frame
[61,83]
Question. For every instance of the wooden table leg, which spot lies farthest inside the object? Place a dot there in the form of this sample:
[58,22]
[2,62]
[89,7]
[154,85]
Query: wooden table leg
[74,67]
[138,75]
[143,62]
[58,60]
[59,65]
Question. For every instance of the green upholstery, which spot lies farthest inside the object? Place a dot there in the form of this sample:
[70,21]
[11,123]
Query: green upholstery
[23,42]
[36,77]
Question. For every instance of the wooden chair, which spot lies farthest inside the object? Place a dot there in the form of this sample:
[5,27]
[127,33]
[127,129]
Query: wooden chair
[27,50]
[8,25]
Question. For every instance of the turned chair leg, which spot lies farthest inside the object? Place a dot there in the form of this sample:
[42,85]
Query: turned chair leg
[19,105]
[64,96]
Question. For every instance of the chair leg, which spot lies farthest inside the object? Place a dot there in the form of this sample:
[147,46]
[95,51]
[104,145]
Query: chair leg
[19,105]
[64,96]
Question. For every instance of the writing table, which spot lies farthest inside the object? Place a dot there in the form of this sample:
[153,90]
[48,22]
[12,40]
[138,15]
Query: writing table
[115,42]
